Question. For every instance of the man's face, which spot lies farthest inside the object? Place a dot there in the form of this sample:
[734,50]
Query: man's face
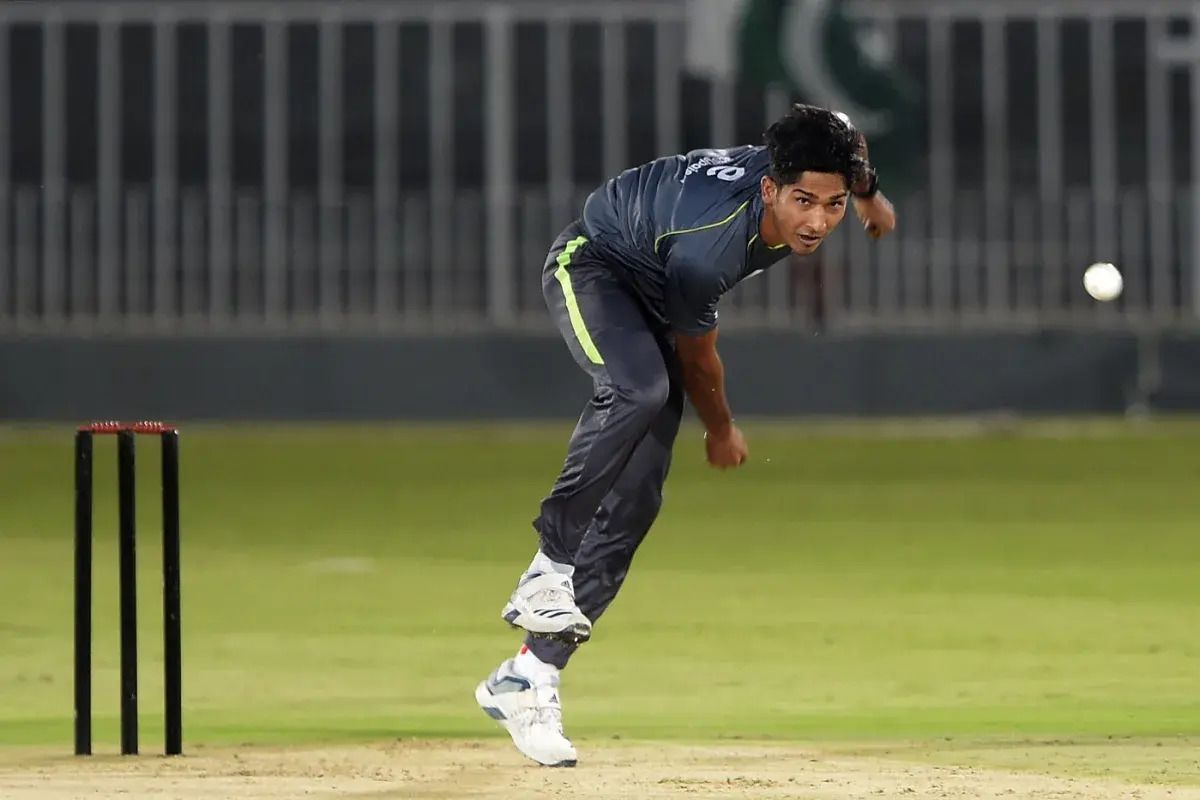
[805,212]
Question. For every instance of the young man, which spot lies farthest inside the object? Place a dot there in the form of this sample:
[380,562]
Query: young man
[633,287]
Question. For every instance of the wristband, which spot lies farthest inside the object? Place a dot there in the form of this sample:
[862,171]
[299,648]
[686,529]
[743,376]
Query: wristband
[872,185]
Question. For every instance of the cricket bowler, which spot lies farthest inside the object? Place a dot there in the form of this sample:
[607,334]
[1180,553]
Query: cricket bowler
[633,287]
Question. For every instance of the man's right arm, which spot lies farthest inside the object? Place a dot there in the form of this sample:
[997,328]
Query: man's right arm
[704,381]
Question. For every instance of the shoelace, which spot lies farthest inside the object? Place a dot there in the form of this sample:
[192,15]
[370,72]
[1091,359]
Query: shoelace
[549,715]
[546,712]
[553,595]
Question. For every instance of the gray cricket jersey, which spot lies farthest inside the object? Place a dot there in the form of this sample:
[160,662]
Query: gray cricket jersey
[683,230]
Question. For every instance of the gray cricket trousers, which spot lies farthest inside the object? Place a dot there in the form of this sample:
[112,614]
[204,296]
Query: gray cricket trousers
[610,488]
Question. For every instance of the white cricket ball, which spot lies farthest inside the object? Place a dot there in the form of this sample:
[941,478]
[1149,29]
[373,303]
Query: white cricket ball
[1103,281]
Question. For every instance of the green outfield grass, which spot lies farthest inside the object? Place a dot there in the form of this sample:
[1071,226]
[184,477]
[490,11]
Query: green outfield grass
[865,582]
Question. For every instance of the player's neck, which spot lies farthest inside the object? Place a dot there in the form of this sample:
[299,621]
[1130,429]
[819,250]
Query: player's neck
[768,233]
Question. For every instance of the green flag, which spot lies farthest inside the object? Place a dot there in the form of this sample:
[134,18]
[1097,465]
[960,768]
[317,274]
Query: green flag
[825,58]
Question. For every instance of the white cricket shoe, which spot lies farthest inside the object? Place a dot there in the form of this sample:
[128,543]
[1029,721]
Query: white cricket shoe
[544,603]
[529,709]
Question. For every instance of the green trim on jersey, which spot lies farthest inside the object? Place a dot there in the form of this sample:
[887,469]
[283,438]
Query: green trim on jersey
[725,221]
[754,239]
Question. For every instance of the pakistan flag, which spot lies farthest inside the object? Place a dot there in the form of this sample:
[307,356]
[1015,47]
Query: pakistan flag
[823,57]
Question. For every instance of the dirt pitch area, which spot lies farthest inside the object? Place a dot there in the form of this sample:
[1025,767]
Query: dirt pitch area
[492,770]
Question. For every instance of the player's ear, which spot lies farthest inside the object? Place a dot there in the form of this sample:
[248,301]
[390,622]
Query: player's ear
[769,189]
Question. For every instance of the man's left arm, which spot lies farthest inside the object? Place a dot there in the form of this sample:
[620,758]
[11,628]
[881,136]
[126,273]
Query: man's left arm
[873,208]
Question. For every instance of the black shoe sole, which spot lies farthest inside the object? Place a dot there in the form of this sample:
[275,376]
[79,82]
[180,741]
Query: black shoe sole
[568,636]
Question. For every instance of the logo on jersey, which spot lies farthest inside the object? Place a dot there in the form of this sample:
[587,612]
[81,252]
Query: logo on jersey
[718,157]
[726,173]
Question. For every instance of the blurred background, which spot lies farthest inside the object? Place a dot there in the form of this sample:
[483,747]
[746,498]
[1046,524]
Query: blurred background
[340,208]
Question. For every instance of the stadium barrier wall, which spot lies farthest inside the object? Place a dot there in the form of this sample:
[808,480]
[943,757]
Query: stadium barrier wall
[516,376]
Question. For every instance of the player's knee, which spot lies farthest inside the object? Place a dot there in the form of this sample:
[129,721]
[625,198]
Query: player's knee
[647,398]
[652,500]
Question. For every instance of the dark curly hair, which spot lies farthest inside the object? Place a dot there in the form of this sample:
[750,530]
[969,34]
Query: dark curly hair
[812,139]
